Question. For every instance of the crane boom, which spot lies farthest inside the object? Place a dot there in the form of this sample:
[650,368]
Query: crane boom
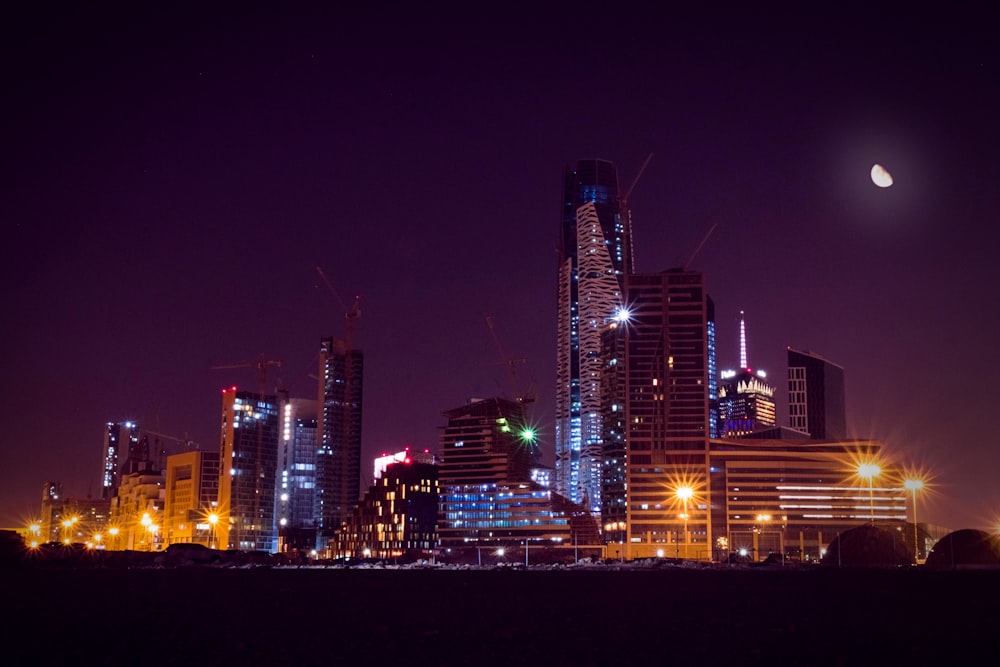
[260,364]
[509,364]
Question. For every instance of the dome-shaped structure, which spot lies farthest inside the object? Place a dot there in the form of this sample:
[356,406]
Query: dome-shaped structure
[868,546]
[965,547]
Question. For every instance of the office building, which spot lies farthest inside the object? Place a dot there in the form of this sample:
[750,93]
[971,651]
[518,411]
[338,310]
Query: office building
[816,396]
[486,442]
[191,498]
[745,399]
[249,463]
[595,254]
[297,468]
[664,377]
[793,497]
[397,518]
[488,457]
[338,455]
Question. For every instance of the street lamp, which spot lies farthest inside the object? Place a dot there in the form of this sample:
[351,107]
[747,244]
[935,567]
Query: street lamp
[914,485]
[870,471]
[763,520]
[35,529]
[684,494]
[113,531]
[213,519]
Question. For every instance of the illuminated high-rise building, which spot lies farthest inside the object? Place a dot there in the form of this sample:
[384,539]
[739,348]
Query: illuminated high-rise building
[121,441]
[248,465]
[338,454]
[297,469]
[660,362]
[816,398]
[746,400]
[595,254]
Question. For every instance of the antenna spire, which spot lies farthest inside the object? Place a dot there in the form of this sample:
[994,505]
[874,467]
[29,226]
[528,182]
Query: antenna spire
[743,343]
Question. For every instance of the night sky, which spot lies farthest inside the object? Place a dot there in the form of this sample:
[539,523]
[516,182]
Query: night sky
[173,177]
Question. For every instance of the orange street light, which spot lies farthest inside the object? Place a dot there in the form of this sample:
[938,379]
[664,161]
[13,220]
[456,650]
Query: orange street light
[870,471]
[913,485]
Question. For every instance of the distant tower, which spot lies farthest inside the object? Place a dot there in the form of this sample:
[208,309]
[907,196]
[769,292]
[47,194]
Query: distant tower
[249,462]
[594,256]
[816,397]
[297,462]
[746,400]
[121,442]
[338,456]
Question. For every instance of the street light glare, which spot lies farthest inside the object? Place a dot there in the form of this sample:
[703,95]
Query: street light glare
[685,492]
[913,484]
[869,470]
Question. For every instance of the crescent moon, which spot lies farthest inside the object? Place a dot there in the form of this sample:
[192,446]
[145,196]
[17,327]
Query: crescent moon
[881,177]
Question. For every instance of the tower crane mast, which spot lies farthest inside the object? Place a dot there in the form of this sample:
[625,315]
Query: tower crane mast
[510,365]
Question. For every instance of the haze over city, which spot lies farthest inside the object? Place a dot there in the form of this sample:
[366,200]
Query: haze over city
[174,178]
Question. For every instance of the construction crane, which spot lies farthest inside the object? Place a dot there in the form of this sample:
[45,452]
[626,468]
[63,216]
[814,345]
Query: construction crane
[260,364]
[510,364]
[351,314]
[625,211]
[189,444]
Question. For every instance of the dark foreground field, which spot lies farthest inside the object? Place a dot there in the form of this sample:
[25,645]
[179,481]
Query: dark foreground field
[316,616]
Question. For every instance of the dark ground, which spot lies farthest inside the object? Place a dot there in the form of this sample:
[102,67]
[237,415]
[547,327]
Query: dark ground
[319,616]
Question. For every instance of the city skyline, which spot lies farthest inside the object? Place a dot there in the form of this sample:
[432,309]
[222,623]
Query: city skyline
[174,182]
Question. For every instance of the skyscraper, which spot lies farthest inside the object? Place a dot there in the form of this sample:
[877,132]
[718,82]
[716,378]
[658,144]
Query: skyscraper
[816,398]
[121,440]
[664,363]
[595,254]
[338,454]
[297,461]
[248,465]
[746,400]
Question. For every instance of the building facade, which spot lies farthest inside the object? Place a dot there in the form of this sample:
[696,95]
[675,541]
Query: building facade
[191,500]
[397,518]
[488,458]
[595,254]
[668,360]
[248,466]
[793,498]
[486,441]
[338,455]
[816,396]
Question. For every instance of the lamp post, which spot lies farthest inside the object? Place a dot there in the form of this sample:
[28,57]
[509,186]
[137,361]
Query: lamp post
[684,494]
[870,471]
[763,520]
[213,519]
[35,529]
[113,531]
[914,485]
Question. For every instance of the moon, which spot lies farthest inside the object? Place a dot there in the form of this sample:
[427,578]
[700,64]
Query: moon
[881,177]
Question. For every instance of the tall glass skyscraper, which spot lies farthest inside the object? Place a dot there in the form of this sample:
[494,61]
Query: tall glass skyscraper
[338,455]
[595,254]
[248,464]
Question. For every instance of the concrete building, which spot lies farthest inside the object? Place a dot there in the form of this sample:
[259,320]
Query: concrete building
[191,500]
